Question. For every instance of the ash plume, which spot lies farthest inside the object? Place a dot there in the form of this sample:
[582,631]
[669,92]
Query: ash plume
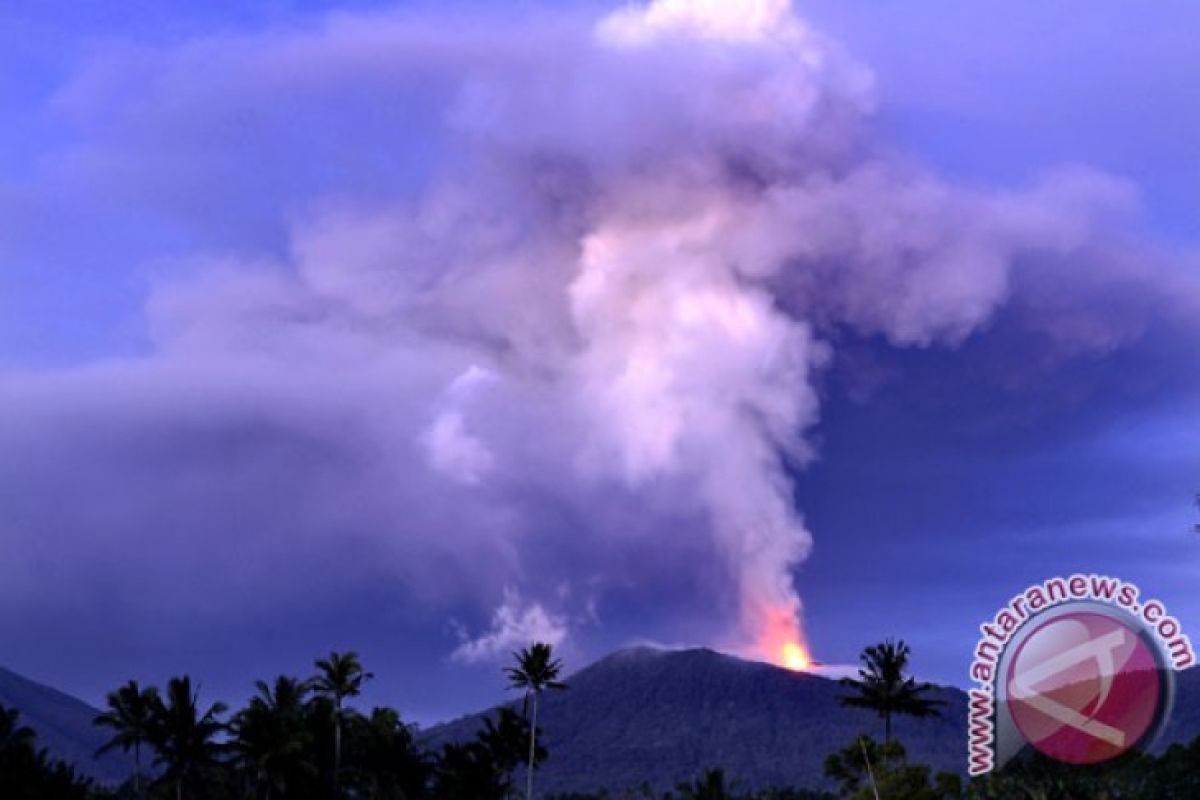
[613,293]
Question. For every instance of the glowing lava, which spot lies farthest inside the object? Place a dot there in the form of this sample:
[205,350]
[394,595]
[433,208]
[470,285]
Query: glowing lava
[795,657]
[781,641]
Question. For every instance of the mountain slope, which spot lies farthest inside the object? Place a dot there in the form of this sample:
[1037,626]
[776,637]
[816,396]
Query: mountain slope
[655,716]
[1183,725]
[64,727]
[643,716]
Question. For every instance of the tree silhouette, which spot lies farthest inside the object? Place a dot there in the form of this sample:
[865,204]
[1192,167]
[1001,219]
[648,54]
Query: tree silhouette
[536,671]
[13,735]
[883,687]
[506,736]
[469,770]
[867,770]
[709,786]
[27,773]
[130,715]
[185,736]
[271,737]
[482,769]
[389,763]
[338,677]
[282,745]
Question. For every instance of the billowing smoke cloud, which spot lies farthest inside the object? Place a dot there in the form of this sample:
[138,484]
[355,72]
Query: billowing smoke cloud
[613,294]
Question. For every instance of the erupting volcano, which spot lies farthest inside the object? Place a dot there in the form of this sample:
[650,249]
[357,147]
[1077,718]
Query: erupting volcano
[782,642]
[794,657]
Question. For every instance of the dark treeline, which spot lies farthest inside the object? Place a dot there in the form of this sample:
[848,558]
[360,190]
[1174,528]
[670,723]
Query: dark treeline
[26,772]
[302,739]
[295,739]
[1174,775]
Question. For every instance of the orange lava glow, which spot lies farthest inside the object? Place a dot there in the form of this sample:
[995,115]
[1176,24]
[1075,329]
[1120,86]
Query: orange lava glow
[795,657]
[781,641]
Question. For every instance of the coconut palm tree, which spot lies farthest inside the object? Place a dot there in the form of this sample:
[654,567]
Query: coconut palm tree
[536,671]
[338,677]
[391,764]
[270,735]
[185,736]
[130,715]
[505,738]
[883,687]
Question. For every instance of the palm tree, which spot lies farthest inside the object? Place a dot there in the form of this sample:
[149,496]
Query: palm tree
[392,765]
[131,717]
[271,737]
[481,769]
[505,738]
[338,677]
[536,671]
[883,687]
[183,735]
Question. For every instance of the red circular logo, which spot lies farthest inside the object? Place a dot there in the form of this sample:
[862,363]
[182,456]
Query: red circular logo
[1084,687]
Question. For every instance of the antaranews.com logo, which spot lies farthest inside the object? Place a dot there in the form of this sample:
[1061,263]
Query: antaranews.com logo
[1079,668]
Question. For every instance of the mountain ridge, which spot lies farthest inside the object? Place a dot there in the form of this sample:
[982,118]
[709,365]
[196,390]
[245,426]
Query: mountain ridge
[643,715]
[64,727]
[650,716]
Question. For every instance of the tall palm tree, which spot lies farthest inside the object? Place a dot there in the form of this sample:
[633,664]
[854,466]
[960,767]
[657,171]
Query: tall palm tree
[185,736]
[505,738]
[536,671]
[130,715]
[338,677]
[883,687]
[270,736]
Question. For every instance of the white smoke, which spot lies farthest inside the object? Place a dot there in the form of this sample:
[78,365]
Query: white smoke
[730,209]
[746,21]
[514,625]
[654,229]
[451,448]
[629,271]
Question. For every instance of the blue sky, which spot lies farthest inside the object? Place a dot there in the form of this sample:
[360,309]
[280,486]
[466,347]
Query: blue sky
[945,476]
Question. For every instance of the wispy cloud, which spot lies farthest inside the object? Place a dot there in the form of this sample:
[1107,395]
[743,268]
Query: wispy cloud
[514,625]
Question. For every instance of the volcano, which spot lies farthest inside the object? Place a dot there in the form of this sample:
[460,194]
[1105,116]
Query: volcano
[646,716]
[650,716]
